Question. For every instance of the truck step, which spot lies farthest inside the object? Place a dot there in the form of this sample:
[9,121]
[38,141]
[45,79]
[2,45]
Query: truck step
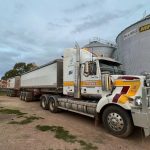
[82,113]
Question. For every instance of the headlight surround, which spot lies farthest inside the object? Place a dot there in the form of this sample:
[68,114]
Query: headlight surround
[138,101]
[147,79]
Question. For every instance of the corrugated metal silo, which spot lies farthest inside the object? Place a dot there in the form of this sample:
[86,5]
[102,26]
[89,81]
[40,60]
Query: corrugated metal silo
[101,48]
[133,47]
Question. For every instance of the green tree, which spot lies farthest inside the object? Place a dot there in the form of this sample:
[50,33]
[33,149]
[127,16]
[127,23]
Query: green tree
[18,69]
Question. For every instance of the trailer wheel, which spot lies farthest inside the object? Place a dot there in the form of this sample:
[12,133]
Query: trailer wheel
[23,96]
[117,121]
[20,96]
[12,93]
[53,104]
[7,93]
[44,102]
[26,97]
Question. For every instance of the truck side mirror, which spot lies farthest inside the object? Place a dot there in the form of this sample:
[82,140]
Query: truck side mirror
[106,82]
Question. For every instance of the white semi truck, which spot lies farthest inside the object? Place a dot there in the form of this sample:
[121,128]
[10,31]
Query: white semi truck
[94,86]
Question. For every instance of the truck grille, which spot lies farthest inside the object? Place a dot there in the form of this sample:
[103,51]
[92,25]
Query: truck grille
[146,96]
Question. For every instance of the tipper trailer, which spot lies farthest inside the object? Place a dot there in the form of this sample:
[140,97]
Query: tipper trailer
[43,80]
[94,86]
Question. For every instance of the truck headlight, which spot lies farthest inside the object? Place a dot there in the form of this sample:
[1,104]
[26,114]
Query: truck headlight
[148,82]
[138,101]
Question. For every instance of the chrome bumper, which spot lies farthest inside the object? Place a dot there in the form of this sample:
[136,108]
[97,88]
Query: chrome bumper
[141,115]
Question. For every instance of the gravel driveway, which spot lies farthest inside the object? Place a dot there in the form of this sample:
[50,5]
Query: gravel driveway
[15,135]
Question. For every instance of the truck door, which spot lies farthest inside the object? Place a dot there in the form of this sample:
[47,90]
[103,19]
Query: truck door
[91,79]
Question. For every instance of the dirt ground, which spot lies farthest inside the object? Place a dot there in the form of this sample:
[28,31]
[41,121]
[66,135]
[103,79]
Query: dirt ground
[28,137]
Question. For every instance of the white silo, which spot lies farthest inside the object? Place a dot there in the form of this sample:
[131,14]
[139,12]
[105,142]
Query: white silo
[101,48]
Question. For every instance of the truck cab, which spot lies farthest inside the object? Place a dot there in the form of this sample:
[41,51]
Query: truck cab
[93,69]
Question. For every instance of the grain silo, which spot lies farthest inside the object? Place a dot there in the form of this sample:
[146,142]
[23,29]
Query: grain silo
[133,47]
[101,48]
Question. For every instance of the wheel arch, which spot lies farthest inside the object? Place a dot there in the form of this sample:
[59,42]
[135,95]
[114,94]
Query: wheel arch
[100,113]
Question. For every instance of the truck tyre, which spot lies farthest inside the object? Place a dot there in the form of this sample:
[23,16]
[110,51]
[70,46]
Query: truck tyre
[53,104]
[7,93]
[23,96]
[10,93]
[28,97]
[117,121]
[20,96]
[44,101]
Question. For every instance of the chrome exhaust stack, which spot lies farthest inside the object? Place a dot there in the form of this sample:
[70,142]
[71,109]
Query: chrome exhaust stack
[77,79]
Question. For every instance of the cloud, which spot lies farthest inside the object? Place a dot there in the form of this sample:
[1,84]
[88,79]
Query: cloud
[67,20]
[84,5]
[77,8]
[96,20]
[38,31]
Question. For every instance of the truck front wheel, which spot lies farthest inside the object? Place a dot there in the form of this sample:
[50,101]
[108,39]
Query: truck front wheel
[117,121]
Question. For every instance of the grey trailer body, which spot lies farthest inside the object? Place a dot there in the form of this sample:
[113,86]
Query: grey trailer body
[42,80]
[47,76]
[13,86]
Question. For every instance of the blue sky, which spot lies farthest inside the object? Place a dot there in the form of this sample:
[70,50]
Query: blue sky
[39,30]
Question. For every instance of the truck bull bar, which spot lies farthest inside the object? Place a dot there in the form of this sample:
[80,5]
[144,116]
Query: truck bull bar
[141,115]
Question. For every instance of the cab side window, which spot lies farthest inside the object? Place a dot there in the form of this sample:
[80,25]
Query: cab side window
[90,68]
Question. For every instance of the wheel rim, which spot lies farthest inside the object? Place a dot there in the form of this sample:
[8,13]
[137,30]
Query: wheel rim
[25,97]
[115,122]
[52,104]
[43,102]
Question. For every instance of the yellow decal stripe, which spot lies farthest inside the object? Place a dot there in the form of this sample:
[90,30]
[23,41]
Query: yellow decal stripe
[95,83]
[68,83]
[91,83]
[134,87]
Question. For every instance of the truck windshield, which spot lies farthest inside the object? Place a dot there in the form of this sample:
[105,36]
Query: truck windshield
[111,67]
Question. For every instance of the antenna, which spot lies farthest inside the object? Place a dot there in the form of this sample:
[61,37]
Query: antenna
[92,54]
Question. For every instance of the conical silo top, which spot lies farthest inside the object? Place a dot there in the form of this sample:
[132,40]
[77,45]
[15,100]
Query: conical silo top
[93,44]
